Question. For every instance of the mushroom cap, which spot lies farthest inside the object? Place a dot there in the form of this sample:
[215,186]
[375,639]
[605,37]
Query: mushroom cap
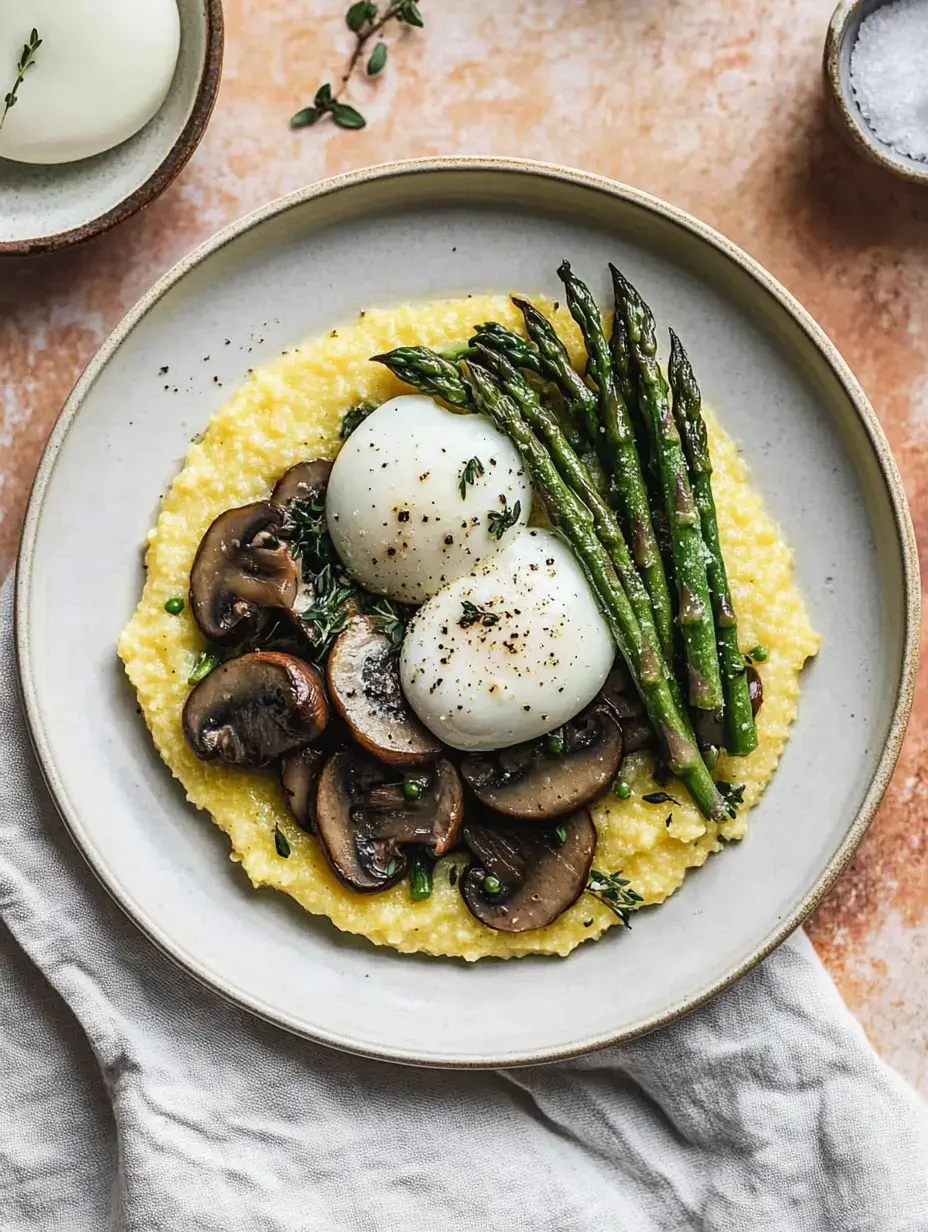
[305,481]
[364,819]
[539,877]
[252,709]
[531,783]
[359,860]
[241,572]
[299,773]
[364,684]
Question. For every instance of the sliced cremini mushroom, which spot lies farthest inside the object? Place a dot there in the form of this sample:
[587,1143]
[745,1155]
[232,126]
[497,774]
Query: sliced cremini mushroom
[523,877]
[366,816]
[364,684]
[551,776]
[305,481]
[299,774]
[252,709]
[242,573]
[361,861]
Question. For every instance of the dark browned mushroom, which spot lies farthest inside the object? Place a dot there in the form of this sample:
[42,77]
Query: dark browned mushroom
[618,693]
[532,782]
[524,877]
[364,684]
[252,709]
[305,481]
[365,817]
[242,572]
[299,773]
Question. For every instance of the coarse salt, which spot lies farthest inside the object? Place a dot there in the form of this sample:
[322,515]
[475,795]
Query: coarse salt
[889,77]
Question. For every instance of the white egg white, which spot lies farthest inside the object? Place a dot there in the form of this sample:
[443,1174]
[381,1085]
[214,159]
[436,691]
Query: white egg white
[537,652]
[394,506]
[102,71]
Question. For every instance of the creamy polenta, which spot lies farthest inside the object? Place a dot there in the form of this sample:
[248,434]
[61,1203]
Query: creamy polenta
[290,411]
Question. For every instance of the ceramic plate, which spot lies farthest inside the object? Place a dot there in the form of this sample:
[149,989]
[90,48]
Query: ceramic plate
[420,231]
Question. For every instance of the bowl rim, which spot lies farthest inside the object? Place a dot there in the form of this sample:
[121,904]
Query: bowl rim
[168,169]
[905,685]
[844,111]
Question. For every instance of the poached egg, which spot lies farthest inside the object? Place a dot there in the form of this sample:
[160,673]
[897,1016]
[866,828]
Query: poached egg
[510,652]
[419,496]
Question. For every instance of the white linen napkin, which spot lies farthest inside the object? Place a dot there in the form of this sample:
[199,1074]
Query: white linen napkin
[133,1098]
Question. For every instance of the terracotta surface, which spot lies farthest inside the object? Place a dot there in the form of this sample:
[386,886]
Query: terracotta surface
[715,105]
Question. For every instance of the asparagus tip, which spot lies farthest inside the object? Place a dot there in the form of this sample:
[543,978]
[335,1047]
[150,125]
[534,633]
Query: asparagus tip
[564,271]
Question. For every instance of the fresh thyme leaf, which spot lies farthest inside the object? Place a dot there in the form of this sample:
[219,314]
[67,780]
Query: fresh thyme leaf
[614,892]
[377,61]
[408,11]
[389,621]
[473,615]
[733,796]
[659,797]
[473,470]
[346,116]
[323,97]
[282,843]
[25,62]
[356,416]
[360,13]
[503,519]
[305,117]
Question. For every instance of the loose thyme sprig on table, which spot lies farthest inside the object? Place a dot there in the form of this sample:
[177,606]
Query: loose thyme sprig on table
[365,20]
[25,62]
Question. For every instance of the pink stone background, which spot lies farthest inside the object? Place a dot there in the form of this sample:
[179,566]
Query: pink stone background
[715,105]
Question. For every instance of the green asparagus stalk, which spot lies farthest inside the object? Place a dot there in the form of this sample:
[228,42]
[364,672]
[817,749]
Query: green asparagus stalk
[427,371]
[740,731]
[516,349]
[571,516]
[633,492]
[574,473]
[689,550]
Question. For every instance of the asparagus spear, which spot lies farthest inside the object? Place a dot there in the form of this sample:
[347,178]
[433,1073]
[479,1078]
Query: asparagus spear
[576,523]
[689,551]
[574,473]
[516,349]
[626,463]
[741,734]
[428,371]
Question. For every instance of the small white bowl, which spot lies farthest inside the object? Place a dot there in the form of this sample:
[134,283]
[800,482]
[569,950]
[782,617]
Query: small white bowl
[46,208]
[845,110]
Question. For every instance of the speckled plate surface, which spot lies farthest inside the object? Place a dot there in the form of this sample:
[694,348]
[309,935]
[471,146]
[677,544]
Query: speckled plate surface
[420,231]
[46,208]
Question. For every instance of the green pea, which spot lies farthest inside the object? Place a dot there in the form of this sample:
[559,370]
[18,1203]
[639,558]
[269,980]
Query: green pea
[621,789]
[174,606]
[412,789]
[758,654]
[491,884]
[555,745]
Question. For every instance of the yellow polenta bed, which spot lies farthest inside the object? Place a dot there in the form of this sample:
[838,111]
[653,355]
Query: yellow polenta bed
[290,411]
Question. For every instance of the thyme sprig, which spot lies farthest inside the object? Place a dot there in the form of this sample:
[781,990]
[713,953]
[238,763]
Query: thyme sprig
[472,471]
[474,615]
[25,62]
[389,621]
[503,519]
[614,892]
[365,20]
[732,795]
[330,611]
[308,536]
